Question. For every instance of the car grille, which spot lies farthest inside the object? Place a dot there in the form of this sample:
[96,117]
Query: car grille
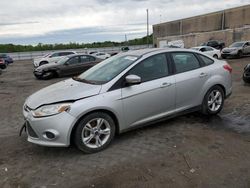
[30,131]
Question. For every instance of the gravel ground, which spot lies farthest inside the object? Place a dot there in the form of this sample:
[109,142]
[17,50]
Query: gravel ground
[188,151]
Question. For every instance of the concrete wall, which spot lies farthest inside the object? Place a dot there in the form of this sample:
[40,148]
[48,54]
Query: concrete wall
[228,36]
[218,21]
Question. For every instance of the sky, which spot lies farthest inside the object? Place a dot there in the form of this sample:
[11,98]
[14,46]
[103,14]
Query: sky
[86,21]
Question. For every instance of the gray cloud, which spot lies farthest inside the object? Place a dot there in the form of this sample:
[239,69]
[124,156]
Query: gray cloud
[61,20]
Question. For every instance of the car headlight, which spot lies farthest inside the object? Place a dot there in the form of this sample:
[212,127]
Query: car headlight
[49,110]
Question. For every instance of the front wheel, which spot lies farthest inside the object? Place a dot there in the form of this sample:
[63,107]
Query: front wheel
[215,56]
[47,75]
[213,101]
[94,132]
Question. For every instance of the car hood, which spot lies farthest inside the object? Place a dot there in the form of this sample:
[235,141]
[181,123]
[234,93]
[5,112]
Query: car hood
[67,90]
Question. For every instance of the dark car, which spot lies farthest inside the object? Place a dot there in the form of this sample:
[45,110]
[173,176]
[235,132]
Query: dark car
[7,58]
[3,64]
[215,44]
[69,65]
[246,74]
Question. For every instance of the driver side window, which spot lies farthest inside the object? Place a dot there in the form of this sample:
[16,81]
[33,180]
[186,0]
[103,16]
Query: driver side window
[73,60]
[152,68]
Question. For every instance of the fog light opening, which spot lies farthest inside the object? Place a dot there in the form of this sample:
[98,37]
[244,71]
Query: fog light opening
[49,135]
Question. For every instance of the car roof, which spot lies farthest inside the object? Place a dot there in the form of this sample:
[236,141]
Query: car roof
[74,55]
[147,51]
[202,47]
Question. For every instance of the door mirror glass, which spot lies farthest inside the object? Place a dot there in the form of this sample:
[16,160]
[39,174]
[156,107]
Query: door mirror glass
[133,79]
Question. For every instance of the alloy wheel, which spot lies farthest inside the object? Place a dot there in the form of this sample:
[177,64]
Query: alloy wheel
[214,100]
[96,133]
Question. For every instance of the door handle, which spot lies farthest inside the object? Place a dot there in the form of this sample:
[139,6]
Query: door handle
[165,84]
[203,75]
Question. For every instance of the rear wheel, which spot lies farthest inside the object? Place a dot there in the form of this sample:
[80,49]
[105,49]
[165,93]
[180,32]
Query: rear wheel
[94,132]
[213,101]
[240,54]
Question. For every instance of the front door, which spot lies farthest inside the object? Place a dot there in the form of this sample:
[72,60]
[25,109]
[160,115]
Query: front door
[71,67]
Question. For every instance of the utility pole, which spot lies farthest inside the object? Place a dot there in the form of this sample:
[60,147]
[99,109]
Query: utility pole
[126,38]
[147,30]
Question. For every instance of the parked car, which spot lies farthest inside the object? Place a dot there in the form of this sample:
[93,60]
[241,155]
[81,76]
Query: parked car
[246,74]
[215,44]
[68,65]
[3,64]
[208,50]
[125,49]
[102,55]
[7,58]
[123,92]
[51,58]
[92,52]
[237,49]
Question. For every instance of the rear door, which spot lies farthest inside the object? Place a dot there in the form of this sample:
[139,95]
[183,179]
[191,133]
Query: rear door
[190,76]
[154,97]
[85,63]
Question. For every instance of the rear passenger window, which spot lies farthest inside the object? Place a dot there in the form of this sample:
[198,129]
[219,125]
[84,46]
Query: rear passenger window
[152,68]
[185,61]
[206,60]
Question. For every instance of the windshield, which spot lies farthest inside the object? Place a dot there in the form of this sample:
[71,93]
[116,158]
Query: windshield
[195,49]
[46,55]
[107,70]
[237,44]
[63,60]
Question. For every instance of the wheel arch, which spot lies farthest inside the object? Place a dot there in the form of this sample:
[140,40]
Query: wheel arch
[220,85]
[43,61]
[109,112]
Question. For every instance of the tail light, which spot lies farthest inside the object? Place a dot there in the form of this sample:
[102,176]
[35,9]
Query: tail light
[228,68]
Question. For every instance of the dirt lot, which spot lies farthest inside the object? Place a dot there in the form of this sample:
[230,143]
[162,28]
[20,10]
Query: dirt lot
[189,151]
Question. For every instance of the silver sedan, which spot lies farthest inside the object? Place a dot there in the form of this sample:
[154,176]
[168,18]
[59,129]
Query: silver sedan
[123,92]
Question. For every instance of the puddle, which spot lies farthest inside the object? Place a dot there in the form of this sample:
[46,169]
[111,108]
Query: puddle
[238,123]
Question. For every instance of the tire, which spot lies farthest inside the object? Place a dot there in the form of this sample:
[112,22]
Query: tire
[43,63]
[215,56]
[246,79]
[3,66]
[240,54]
[88,128]
[47,75]
[211,106]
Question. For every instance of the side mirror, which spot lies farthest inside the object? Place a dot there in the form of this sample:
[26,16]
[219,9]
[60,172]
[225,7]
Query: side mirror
[133,79]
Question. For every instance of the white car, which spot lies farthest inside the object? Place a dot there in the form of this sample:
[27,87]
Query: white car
[208,51]
[101,55]
[51,58]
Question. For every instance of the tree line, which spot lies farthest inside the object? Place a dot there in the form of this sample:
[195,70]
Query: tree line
[8,48]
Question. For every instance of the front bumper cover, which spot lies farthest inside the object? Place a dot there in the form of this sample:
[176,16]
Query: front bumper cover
[60,125]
